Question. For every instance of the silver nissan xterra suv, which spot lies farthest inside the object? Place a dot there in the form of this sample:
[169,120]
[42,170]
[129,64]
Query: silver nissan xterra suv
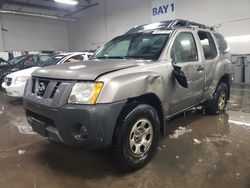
[123,96]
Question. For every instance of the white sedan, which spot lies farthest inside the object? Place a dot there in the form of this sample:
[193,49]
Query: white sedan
[15,82]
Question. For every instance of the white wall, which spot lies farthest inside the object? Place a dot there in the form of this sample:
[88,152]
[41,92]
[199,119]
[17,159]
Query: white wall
[113,17]
[33,34]
[110,18]
[1,38]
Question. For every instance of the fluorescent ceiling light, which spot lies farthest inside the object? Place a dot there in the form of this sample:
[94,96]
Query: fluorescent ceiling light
[68,2]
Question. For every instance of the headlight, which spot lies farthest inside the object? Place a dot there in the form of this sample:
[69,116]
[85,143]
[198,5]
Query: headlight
[85,93]
[21,79]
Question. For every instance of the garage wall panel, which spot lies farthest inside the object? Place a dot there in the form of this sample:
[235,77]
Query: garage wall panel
[110,18]
[1,37]
[28,33]
[90,31]
[122,15]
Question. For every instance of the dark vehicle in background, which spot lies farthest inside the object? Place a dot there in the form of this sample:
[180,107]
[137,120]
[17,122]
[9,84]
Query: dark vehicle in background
[20,63]
[15,82]
[3,65]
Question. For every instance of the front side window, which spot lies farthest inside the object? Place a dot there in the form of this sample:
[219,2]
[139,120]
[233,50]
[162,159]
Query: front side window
[30,61]
[133,46]
[208,45]
[184,48]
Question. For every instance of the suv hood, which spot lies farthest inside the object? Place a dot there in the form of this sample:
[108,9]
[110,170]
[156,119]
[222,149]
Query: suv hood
[87,70]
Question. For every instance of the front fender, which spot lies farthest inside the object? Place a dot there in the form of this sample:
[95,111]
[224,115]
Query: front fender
[137,81]
[132,85]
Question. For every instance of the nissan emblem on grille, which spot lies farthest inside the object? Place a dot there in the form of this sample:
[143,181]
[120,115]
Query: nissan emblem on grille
[41,89]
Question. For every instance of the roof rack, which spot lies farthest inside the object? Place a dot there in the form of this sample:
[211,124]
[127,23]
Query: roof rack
[168,25]
[185,23]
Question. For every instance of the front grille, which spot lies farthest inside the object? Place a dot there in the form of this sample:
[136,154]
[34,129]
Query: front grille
[44,88]
[8,81]
[54,90]
[48,92]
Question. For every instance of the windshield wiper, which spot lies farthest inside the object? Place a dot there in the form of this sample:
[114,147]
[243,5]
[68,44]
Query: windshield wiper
[139,57]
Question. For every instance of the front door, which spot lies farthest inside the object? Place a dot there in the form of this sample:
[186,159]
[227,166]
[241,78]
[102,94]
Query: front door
[184,54]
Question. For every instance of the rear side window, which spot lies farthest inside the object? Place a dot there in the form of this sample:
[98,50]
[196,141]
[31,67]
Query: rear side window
[208,45]
[223,46]
[184,48]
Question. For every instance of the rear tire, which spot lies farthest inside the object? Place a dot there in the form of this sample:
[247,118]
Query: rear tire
[136,137]
[218,104]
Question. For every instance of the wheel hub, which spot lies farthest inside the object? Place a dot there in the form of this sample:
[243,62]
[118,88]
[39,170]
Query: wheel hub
[141,137]
[138,136]
[222,101]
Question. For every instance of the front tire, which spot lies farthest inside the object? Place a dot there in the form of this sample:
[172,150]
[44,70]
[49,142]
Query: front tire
[136,137]
[218,104]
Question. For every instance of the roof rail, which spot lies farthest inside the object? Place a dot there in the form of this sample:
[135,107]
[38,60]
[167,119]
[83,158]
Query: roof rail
[185,23]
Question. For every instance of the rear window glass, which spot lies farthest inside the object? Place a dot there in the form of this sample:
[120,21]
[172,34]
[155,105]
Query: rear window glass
[223,46]
[208,45]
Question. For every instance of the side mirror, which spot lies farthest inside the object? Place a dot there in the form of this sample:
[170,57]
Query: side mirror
[180,76]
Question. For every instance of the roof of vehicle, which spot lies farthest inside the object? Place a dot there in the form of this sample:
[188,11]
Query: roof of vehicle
[167,25]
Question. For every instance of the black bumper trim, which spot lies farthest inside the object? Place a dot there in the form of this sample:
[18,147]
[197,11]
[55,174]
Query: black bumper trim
[63,124]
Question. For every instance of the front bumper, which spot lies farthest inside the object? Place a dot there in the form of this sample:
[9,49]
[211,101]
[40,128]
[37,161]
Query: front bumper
[14,90]
[89,125]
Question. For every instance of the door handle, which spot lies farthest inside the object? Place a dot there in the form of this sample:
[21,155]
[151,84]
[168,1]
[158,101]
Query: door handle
[200,68]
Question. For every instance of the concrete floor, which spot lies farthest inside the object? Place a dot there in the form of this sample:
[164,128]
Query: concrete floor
[207,151]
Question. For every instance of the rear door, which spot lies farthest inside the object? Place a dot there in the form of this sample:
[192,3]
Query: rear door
[186,55]
[210,58]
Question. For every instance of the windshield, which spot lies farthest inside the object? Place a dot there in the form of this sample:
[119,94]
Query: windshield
[17,60]
[133,46]
[53,60]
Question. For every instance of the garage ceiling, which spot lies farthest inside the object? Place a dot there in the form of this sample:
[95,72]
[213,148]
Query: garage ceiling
[46,7]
